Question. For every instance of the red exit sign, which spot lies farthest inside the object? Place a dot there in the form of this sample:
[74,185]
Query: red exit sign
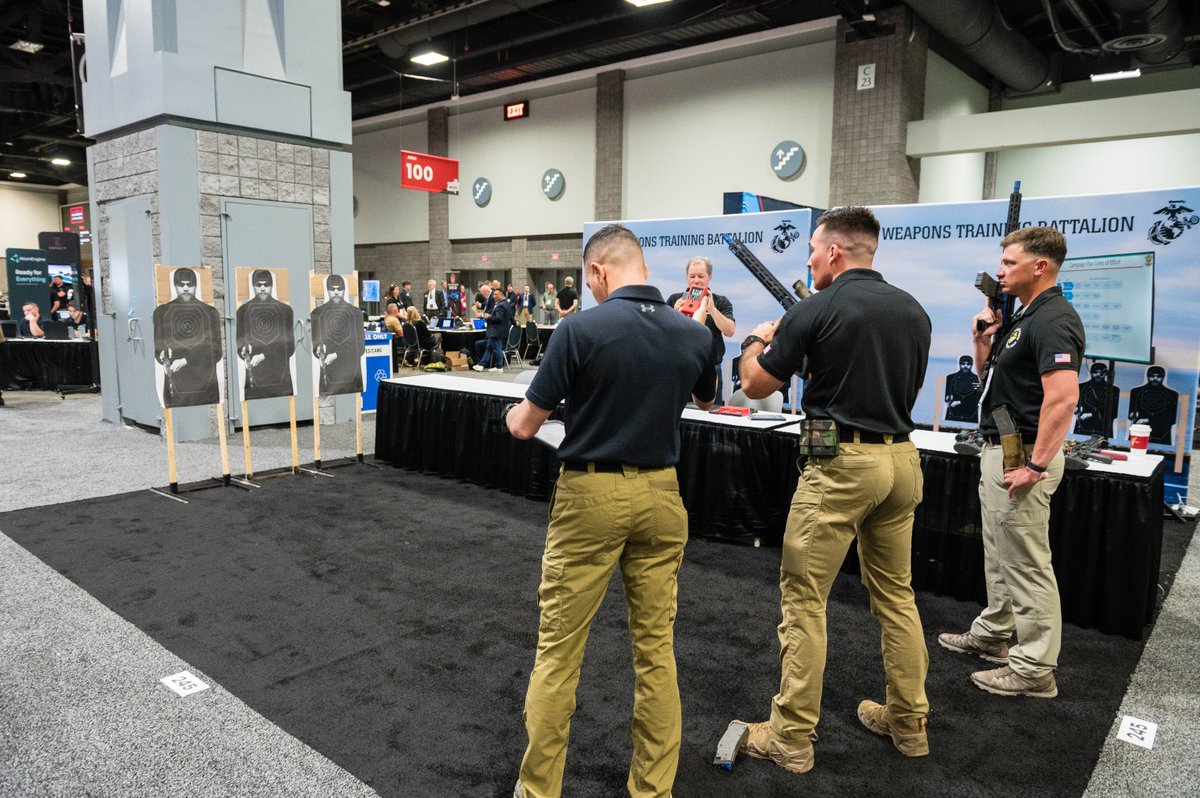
[517,110]
[428,172]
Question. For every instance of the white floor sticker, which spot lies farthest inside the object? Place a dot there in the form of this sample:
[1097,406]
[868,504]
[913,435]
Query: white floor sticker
[1136,731]
[184,683]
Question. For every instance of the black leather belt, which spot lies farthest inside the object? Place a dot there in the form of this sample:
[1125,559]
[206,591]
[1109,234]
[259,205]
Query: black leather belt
[1027,438]
[599,466]
[846,435]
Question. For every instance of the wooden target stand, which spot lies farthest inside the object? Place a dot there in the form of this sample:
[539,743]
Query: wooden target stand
[279,472]
[173,489]
[317,470]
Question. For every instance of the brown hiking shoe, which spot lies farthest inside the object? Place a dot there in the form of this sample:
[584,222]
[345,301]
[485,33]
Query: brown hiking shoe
[909,739]
[762,743]
[1006,681]
[967,643]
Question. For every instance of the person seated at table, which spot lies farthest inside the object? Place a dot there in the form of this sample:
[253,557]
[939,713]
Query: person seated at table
[29,327]
[77,322]
[425,339]
[392,322]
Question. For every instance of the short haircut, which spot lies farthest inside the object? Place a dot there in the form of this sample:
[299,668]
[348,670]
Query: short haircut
[184,274]
[605,239]
[335,281]
[568,282]
[406,282]
[1040,242]
[27,303]
[72,306]
[698,259]
[852,223]
[262,276]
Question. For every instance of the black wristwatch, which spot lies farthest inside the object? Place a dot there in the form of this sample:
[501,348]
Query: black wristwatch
[1034,467]
[753,339]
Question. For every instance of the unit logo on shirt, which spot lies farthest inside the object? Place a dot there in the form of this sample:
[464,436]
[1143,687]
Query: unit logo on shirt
[1013,338]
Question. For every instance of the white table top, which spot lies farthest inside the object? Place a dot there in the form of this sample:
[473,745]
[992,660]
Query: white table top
[1136,466]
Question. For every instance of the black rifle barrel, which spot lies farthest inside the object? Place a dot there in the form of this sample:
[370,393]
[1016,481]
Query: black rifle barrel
[761,272]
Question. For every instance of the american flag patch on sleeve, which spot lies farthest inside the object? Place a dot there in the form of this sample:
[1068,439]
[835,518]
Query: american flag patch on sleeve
[1062,358]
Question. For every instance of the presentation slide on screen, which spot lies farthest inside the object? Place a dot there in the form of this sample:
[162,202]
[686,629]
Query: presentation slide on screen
[1114,296]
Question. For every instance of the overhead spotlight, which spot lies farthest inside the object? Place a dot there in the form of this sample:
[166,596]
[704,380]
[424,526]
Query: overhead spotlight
[26,46]
[60,162]
[1128,73]
[644,3]
[429,58]
[17,175]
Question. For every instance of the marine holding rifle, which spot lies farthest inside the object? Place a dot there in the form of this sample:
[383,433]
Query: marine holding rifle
[1030,373]
[866,344]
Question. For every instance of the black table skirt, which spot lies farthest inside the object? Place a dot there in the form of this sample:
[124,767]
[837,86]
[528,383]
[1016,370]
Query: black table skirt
[737,485]
[45,365]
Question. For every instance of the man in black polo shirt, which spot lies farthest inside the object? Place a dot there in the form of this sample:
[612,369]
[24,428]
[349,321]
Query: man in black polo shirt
[567,300]
[867,347]
[715,311]
[616,504]
[1032,374]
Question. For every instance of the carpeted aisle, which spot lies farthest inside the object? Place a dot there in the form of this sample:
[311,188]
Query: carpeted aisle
[388,620]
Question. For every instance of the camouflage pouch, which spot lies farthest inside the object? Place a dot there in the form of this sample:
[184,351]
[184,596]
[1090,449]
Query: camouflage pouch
[818,437]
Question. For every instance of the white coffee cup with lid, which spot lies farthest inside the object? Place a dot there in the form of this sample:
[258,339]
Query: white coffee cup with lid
[1139,438]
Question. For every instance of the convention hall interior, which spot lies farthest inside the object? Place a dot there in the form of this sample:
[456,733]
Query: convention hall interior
[277,271]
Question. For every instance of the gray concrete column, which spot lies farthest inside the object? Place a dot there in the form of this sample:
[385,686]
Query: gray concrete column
[437,121]
[610,131]
[868,164]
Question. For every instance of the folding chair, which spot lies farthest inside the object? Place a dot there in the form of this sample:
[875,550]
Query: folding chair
[532,340]
[514,341]
[411,344]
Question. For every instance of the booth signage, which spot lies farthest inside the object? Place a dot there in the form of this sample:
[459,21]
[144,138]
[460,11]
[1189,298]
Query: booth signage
[428,172]
[377,366]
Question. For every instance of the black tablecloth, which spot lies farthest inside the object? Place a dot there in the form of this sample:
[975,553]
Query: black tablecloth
[737,485]
[45,365]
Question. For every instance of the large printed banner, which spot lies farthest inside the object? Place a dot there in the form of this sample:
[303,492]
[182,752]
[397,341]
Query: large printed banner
[778,240]
[1132,262]
[1130,256]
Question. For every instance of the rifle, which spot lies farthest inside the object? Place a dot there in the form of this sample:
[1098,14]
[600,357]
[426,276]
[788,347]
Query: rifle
[164,357]
[1077,454]
[763,274]
[246,353]
[987,285]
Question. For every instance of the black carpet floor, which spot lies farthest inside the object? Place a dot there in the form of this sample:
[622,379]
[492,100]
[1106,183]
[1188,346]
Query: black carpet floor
[388,620]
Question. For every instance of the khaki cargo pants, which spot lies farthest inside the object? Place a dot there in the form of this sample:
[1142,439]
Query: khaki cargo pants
[599,521]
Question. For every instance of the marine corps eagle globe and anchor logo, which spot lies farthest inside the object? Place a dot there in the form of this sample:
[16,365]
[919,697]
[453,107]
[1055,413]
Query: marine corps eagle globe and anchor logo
[1164,231]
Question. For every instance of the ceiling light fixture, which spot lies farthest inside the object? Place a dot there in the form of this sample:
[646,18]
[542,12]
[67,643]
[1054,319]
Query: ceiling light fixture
[644,3]
[26,46]
[1128,73]
[429,58]
[17,175]
[60,162]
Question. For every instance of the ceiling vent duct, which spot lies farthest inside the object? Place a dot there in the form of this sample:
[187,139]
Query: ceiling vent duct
[978,29]
[1150,30]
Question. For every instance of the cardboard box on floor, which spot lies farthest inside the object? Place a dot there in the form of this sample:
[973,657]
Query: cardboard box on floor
[457,361]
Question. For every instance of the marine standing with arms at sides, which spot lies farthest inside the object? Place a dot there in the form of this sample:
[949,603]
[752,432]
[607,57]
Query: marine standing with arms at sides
[616,504]
[867,347]
[1034,374]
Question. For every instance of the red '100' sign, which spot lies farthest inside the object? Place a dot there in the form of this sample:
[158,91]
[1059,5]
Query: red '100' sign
[428,172]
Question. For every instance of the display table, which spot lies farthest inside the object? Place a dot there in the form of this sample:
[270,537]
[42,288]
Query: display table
[737,477]
[40,365]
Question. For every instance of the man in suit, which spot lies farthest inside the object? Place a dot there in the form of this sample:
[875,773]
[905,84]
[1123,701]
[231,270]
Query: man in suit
[526,303]
[433,303]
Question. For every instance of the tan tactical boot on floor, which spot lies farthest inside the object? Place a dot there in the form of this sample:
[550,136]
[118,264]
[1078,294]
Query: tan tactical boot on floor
[1006,681]
[762,743]
[909,739]
[967,643]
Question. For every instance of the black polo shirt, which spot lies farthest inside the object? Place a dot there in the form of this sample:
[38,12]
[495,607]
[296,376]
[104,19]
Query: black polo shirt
[626,369]
[867,345]
[566,298]
[1045,336]
[726,308]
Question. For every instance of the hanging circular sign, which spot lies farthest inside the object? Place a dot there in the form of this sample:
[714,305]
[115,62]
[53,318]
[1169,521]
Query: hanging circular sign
[481,191]
[553,183]
[787,159]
